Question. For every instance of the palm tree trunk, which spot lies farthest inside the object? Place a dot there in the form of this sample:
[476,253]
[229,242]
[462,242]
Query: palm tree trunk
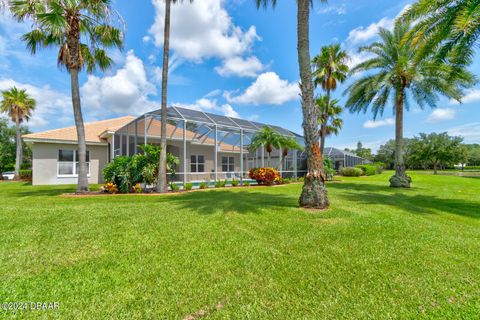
[280,164]
[323,127]
[314,193]
[162,166]
[400,179]
[268,160]
[435,169]
[82,185]
[18,154]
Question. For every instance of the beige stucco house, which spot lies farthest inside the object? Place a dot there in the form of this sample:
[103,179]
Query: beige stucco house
[210,147]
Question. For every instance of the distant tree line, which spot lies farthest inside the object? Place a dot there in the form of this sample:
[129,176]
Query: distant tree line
[431,151]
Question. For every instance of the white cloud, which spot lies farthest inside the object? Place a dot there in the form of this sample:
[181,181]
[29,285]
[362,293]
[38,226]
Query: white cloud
[371,124]
[126,91]
[364,34]
[202,29]
[210,105]
[470,132]
[441,115]
[471,96]
[340,10]
[52,106]
[243,67]
[268,88]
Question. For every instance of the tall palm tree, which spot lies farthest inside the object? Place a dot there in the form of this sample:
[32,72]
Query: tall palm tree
[453,25]
[82,30]
[19,106]
[314,192]
[330,68]
[330,115]
[162,166]
[268,138]
[395,75]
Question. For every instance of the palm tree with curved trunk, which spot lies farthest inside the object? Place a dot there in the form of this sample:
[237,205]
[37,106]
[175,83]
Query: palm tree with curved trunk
[162,166]
[452,25]
[19,106]
[330,116]
[314,192]
[330,68]
[393,74]
[82,30]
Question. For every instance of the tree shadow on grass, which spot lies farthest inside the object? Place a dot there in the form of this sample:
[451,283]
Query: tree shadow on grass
[407,199]
[209,202]
[28,190]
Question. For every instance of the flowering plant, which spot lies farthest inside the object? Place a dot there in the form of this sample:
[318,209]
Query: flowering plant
[110,188]
[266,176]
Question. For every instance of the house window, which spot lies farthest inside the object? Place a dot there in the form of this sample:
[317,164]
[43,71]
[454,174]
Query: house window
[228,164]
[197,163]
[68,163]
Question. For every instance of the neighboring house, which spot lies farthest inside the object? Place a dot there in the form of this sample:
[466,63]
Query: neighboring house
[342,158]
[209,146]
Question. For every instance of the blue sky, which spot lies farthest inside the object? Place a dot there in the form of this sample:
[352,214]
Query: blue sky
[229,58]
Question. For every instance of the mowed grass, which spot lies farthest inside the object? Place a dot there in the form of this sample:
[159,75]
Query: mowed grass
[377,253]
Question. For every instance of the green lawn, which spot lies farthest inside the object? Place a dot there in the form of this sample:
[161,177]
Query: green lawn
[377,253]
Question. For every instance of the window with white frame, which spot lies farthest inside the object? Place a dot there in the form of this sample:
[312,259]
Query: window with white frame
[68,163]
[197,163]
[228,164]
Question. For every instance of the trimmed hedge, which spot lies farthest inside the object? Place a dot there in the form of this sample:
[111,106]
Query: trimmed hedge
[367,169]
[351,172]
[26,174]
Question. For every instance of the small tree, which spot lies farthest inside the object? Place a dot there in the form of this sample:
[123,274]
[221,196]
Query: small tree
[267,138]
[19,106]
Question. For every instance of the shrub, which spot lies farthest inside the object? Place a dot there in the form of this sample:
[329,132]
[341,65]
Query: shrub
[137,188]
[282,181]
[188,186]
[351,172]
[266,176]
[110,188]
[380,166]
[174,187]
[26,166]
[329,168]
[235,182]
[220,184]
[26,175]
[246,184]
[203,185]
[300,179]
[117,172]
[367,169]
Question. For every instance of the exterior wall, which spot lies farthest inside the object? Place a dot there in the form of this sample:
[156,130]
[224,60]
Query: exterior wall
[44,163]
[208,152]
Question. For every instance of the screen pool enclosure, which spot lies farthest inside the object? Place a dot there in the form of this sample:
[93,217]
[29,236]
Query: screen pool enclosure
[209,147]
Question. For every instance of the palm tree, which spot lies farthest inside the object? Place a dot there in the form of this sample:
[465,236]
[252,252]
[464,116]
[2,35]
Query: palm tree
[268,138]
[330,68]
[314,192]
[287,144]
[19,106]
[162,166]
[330,116]
[82,30]
[452,24]
[394,74]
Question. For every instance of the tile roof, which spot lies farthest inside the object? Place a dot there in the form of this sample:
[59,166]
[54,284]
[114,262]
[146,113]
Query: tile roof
[92,130]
